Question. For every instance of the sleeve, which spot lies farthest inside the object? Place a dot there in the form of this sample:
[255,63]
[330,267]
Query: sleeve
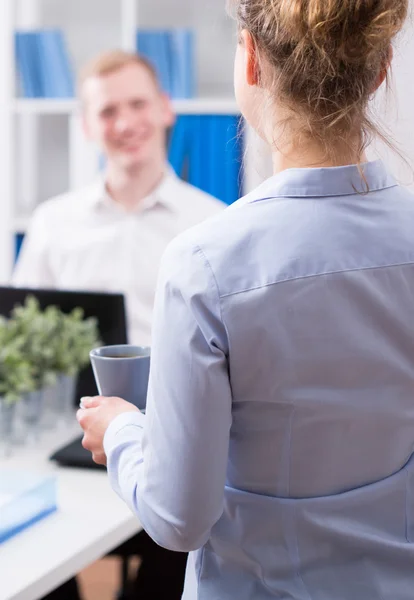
[170,466]
[32,268]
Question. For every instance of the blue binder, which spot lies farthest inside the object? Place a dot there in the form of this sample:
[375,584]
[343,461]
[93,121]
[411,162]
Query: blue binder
[43,63]
[27,62]
[153,44]
[233,159]
[179,145]
[181,43]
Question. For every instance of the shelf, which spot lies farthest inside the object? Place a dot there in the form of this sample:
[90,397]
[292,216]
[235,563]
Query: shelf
[20,224]
[46,106]
[208,106]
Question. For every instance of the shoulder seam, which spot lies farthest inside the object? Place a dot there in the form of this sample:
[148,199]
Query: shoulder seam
[314,275]
[207,262]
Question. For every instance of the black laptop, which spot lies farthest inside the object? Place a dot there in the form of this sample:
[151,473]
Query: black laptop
[109,310]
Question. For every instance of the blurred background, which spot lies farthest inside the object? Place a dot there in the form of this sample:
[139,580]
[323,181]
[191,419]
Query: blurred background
[45,42]
[191,43]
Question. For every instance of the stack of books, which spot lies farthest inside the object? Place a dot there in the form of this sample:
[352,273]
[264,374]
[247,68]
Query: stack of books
[171,52]
[43,64]
[207,151]
[25,499]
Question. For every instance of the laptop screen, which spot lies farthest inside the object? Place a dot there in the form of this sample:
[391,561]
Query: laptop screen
[107,308]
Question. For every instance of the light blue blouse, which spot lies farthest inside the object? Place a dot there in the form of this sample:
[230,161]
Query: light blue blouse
[279,432]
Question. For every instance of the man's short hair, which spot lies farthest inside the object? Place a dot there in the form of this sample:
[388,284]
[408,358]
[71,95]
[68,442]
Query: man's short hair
[112,61]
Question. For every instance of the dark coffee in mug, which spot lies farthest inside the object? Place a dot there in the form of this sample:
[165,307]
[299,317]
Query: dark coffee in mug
[121,355]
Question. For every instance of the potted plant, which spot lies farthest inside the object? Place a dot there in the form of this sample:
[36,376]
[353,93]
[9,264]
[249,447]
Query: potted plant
[16,379]
[28,323]
[57,346]
[74,338]
[36,332]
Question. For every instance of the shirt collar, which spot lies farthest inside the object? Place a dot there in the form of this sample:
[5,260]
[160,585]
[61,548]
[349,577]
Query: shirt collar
[324,182]
[165,194]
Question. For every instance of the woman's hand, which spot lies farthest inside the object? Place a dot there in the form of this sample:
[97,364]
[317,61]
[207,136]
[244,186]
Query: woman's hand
[94,416]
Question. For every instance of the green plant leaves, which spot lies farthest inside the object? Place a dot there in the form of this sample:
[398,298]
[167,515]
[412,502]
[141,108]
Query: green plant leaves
[36,346]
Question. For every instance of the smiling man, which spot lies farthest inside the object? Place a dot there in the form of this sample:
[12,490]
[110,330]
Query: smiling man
[110,236]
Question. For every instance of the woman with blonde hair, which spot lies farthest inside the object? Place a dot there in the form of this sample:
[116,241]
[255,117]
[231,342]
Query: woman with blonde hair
[279,434]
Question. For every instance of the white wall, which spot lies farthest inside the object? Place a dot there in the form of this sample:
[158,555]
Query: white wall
[396,108]
[51,162]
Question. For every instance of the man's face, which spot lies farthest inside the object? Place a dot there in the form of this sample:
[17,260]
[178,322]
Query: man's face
[126,115]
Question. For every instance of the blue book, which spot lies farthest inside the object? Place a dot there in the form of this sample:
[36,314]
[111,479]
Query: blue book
[213,156]
[27,62]
[164,59]
[182,63]
[222,157]
[25,499]
[207,150]
[153,44]
[179,145]
[233,159]
[19,237]
[216,143]
[54,65]
[212,147]
[47,76]
[197,155]
[68,85]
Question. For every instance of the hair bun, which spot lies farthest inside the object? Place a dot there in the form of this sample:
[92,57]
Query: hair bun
[347,29]
[322,60]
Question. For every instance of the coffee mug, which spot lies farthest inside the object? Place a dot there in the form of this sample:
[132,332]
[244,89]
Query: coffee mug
[122,371]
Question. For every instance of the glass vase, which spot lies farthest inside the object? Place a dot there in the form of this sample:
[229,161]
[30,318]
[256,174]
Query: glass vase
[51,406]
[67,389]
[31,415]
[7,426]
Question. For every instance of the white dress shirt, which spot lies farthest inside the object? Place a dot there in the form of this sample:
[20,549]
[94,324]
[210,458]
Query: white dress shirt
[83,240]
[279,432]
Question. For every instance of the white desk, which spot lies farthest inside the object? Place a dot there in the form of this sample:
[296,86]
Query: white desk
[91,520]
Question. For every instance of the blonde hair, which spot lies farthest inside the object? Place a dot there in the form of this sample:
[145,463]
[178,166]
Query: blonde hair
[111,61]
[322,59]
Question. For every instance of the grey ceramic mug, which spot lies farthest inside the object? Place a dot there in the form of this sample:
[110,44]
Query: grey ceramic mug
[122,371]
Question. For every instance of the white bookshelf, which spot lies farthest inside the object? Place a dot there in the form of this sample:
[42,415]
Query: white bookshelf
[6,140]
